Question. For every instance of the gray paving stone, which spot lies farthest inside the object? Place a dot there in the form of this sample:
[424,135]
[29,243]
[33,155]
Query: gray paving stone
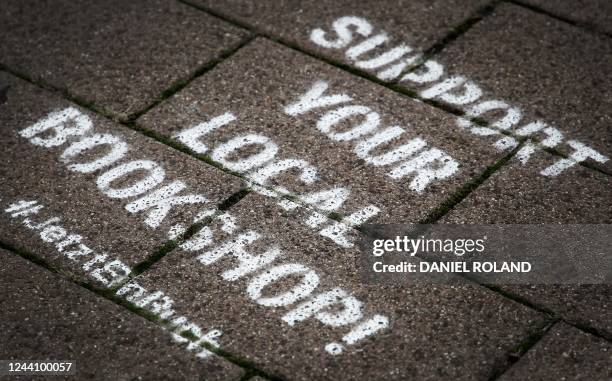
[419,24]
[554,72]
[565,353]
[435,332]
[255,86]
[120,55]
[592,13]
[517,195]
[44,317]
[33,172]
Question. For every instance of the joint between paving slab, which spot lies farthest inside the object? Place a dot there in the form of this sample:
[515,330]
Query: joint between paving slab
[602,334]
[234,199]
[30,257]
[61,91]
[180,84]
[106,293]
[150,260]
[447,205]
[170,245]
[452,35]
[222,17]
[176,145]
[577,24]
[521,349]
[247,376]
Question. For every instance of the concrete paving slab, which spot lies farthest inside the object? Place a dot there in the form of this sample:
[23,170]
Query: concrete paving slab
[255,93]
[565,353]
[296,297]
[516,195]
[595,14]
[44,317]
[550,71]
[415,24]
[120,55]
[72,205]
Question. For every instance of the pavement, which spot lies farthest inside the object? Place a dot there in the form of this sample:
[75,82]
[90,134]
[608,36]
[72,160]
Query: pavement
[183,184]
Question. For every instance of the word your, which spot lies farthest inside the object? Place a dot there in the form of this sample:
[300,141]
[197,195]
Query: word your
[110,273]
[426,165]
[455,90]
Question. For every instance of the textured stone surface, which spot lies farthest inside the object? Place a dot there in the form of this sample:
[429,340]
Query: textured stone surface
[436,331]
[44,317]
[120,55]
[30,172]
[515,195]
[565,353]
[593,13]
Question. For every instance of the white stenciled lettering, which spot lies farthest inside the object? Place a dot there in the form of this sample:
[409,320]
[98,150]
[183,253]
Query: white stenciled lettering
[580,154]
[191,137]
[154,176]
[445,89]
[118,149]
[402,152]
[236,248]
[309,281]
[159,202]
[314,99]
[63,124]
[319,307]
[456,90]
[342,27]
[430,71]
[327,121]
[223,151]
[428,166]
[308,173]
[360,332]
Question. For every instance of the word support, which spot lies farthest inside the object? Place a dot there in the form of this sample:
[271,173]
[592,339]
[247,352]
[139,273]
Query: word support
[357,37]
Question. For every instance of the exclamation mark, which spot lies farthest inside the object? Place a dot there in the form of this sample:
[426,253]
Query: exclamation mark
[360,332]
